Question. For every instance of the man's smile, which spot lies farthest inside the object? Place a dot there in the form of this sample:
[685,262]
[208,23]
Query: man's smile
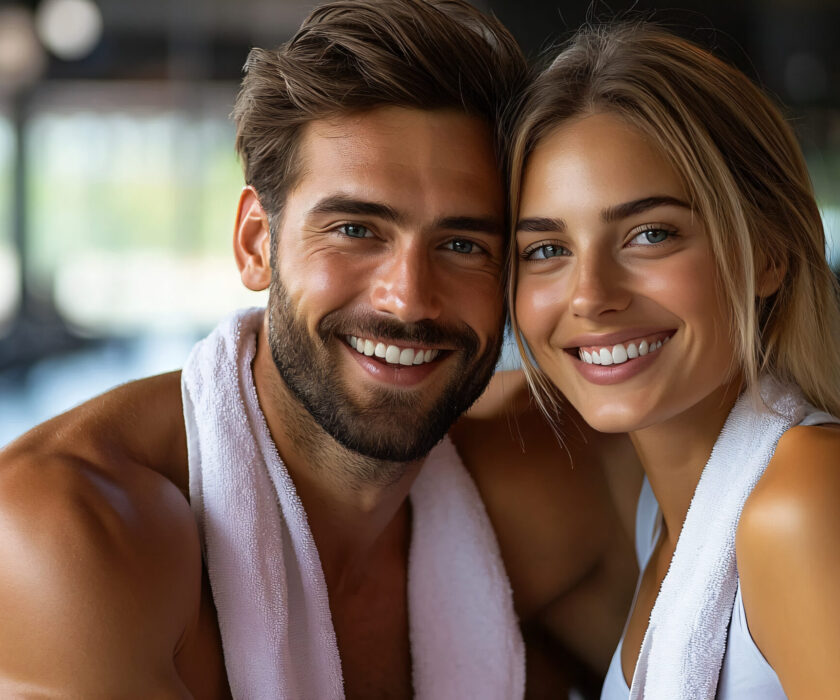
[392,353]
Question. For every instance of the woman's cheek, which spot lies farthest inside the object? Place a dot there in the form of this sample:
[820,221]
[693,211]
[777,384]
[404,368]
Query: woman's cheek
[539,307]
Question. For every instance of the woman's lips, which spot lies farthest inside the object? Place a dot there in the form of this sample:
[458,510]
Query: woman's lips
[618,362]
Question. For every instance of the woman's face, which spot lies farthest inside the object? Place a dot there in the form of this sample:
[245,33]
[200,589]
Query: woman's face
[616,292]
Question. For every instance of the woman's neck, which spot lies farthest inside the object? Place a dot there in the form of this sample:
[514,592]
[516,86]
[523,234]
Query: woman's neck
[674,453]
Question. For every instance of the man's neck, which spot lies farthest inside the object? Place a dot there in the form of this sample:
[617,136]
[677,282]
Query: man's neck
[357,507]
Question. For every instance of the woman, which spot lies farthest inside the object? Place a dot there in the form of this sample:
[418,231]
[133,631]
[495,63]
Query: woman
[669,280]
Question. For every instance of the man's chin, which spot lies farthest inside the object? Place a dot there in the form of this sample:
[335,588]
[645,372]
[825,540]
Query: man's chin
[393,433]
[393,452]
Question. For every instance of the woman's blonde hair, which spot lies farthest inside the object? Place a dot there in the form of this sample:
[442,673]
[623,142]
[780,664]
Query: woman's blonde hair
[745,176]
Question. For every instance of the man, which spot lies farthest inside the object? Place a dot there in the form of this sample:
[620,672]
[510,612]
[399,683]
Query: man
[374,213]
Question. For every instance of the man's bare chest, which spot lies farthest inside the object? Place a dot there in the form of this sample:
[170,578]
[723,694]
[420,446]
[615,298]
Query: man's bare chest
[372,630]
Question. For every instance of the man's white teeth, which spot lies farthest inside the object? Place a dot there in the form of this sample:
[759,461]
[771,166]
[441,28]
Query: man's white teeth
[619,354]
[391,353]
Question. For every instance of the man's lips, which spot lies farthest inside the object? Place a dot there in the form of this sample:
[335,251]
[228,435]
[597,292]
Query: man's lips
[394,352]
[396,374]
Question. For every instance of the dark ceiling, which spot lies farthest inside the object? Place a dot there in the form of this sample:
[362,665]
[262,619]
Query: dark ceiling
[209,39]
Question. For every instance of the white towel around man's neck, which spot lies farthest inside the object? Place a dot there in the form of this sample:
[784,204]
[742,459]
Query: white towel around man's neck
[266,575]
[683,647]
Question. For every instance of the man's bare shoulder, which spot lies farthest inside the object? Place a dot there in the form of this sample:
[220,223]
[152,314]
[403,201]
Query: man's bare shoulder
[102,570]
[554,506]
[549,500]
[139,423]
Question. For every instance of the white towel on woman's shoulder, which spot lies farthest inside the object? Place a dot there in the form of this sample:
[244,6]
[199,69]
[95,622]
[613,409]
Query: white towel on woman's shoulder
[683,647]
[266,575]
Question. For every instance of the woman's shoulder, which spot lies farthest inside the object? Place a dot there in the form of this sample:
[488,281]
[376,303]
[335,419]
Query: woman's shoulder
[796,500]
[788,559]
[801,483]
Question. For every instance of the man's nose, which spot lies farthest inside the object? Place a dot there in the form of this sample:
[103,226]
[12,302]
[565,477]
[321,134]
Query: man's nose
[405,285]
[598,286]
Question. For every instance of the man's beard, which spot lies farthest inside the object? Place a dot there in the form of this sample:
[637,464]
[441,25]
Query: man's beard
[383,424]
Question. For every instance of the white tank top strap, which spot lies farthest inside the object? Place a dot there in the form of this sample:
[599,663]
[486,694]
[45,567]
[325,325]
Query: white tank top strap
[648,524]
[819,418]
[648,528]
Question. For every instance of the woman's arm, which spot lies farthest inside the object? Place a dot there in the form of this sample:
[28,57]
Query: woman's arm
[788,552]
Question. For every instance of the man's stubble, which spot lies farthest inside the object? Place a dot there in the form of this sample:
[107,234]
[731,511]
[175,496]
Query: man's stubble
[383,426]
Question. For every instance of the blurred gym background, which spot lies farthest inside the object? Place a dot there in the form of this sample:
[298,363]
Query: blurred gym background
[118,180]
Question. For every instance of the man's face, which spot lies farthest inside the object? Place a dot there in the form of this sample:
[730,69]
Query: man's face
[385,305]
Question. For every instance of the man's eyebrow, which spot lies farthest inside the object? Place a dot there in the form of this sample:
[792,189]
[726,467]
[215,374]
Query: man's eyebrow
[473,224]
[637,206]
[342,204]
[541,224]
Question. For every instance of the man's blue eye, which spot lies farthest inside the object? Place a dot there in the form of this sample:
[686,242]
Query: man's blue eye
[461,246]
[355,230]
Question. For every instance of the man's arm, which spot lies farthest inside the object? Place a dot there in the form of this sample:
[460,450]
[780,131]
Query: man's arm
[100,583]
[567,550]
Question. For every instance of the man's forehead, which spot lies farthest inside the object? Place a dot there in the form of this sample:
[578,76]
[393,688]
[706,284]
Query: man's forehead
[397,155]
[396,131]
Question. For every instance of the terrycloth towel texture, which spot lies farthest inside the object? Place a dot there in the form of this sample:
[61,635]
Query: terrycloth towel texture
[266,576]
[684,644]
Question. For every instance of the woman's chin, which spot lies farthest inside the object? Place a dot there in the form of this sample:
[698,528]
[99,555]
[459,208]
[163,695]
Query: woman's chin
[611,419]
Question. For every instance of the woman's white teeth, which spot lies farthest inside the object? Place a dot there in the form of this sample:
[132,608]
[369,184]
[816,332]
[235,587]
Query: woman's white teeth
[391,353]
[619,354]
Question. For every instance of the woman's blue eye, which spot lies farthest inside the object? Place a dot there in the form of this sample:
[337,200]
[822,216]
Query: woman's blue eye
[546,251]
[354,230]
[651,236]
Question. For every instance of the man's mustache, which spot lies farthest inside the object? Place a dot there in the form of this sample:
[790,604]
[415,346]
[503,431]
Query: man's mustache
[425,332]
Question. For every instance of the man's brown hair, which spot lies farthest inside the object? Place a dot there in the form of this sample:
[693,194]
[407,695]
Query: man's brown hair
[355,55]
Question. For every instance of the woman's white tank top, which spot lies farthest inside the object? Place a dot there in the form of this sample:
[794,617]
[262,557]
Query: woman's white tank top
[745,674]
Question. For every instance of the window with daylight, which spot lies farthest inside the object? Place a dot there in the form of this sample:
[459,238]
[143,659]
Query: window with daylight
[131,200]
[9,275]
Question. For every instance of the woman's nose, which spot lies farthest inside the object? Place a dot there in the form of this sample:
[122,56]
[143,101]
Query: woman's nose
[598,287]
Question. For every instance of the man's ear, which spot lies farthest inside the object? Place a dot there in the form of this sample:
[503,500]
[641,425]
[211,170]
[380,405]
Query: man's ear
[252,241]
[769,276]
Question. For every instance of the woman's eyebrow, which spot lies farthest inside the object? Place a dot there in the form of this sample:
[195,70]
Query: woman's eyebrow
[541,225]
[637,206]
